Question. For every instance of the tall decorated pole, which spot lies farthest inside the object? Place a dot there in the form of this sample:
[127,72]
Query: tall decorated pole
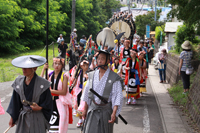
[73,14]
[47,32]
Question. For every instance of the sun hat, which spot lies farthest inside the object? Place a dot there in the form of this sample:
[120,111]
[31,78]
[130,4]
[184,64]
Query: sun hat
[29,61]
[75,29]
[60,34]
[186,45]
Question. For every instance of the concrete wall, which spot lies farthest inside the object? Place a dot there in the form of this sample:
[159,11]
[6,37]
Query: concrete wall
[171,40]
[193,104]
[156,45]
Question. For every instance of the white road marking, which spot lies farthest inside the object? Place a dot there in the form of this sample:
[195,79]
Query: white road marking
[146,121]
[3,99]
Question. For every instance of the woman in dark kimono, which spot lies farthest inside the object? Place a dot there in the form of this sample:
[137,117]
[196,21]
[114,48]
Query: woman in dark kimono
[31,104]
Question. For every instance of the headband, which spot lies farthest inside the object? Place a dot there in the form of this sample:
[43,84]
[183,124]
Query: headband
[84,61]
[127,41]
[142,52]
[62,60]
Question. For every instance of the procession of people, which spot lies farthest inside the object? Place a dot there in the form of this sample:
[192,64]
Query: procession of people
[91,90]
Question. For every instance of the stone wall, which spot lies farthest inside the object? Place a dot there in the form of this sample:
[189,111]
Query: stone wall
[193,104]
[172,75]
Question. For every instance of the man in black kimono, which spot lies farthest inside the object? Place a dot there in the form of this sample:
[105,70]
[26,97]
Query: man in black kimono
[32,116]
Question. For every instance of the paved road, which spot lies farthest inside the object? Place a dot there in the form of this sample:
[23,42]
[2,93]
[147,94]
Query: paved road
[143,117]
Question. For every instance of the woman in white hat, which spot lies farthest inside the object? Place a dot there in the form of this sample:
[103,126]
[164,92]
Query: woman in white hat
[31,103]
[185,61]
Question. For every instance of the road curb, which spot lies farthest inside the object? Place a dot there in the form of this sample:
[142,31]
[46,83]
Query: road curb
[170,117]
[159,108]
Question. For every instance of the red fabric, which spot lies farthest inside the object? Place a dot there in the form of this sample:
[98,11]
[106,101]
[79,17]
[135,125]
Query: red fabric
[54,94]
[126,76]
[134,46]
[121,55]
[138,91]
[70,115]
[96,47]
[67,54]
[136,67]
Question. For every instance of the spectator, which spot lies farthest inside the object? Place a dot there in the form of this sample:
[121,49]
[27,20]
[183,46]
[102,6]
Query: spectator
[83,40]
[162,58]
[60,38]
[62,48]
[185,61]
[151,52]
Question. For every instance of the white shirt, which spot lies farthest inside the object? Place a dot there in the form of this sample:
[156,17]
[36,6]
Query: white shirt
[116,96]
[60,39]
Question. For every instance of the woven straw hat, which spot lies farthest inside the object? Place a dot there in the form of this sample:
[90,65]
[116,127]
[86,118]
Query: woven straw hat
[186,45]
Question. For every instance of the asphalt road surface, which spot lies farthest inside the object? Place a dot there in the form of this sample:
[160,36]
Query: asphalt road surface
[143,117]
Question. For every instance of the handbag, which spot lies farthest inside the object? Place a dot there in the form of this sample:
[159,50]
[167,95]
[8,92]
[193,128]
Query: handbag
[161,66]
[189,70]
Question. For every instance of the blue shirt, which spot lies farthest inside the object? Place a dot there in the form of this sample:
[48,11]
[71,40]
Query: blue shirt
[83,41]
[186,56]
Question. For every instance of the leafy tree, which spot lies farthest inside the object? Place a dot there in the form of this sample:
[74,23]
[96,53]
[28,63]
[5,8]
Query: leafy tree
[10,27]
[142,20]
[158,31]
[188,11]
[184,33]
[23,22]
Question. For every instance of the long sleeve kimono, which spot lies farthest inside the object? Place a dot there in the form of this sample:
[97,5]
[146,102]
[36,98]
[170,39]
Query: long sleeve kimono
[37,91]
[115,98]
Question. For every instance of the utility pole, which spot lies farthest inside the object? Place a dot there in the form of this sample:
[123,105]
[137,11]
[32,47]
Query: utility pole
[47,32]
[155,10]
[73,14]
[129,10]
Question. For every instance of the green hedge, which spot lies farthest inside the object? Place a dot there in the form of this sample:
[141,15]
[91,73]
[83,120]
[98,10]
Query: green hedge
[158,31]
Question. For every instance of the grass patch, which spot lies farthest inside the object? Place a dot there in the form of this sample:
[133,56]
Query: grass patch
[176,92]
[8,72]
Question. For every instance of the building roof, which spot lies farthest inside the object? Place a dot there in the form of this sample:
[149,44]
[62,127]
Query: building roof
[152,33]
[172,26]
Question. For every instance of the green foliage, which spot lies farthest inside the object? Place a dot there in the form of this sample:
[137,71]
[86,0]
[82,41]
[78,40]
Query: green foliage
[176,92]
[10,27]
[142,20]
[135,5]
[8,72]
[188,11]
[23,22]
[158,31]
[183,33]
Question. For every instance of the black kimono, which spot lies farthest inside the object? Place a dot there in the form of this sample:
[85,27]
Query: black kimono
[37,91]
